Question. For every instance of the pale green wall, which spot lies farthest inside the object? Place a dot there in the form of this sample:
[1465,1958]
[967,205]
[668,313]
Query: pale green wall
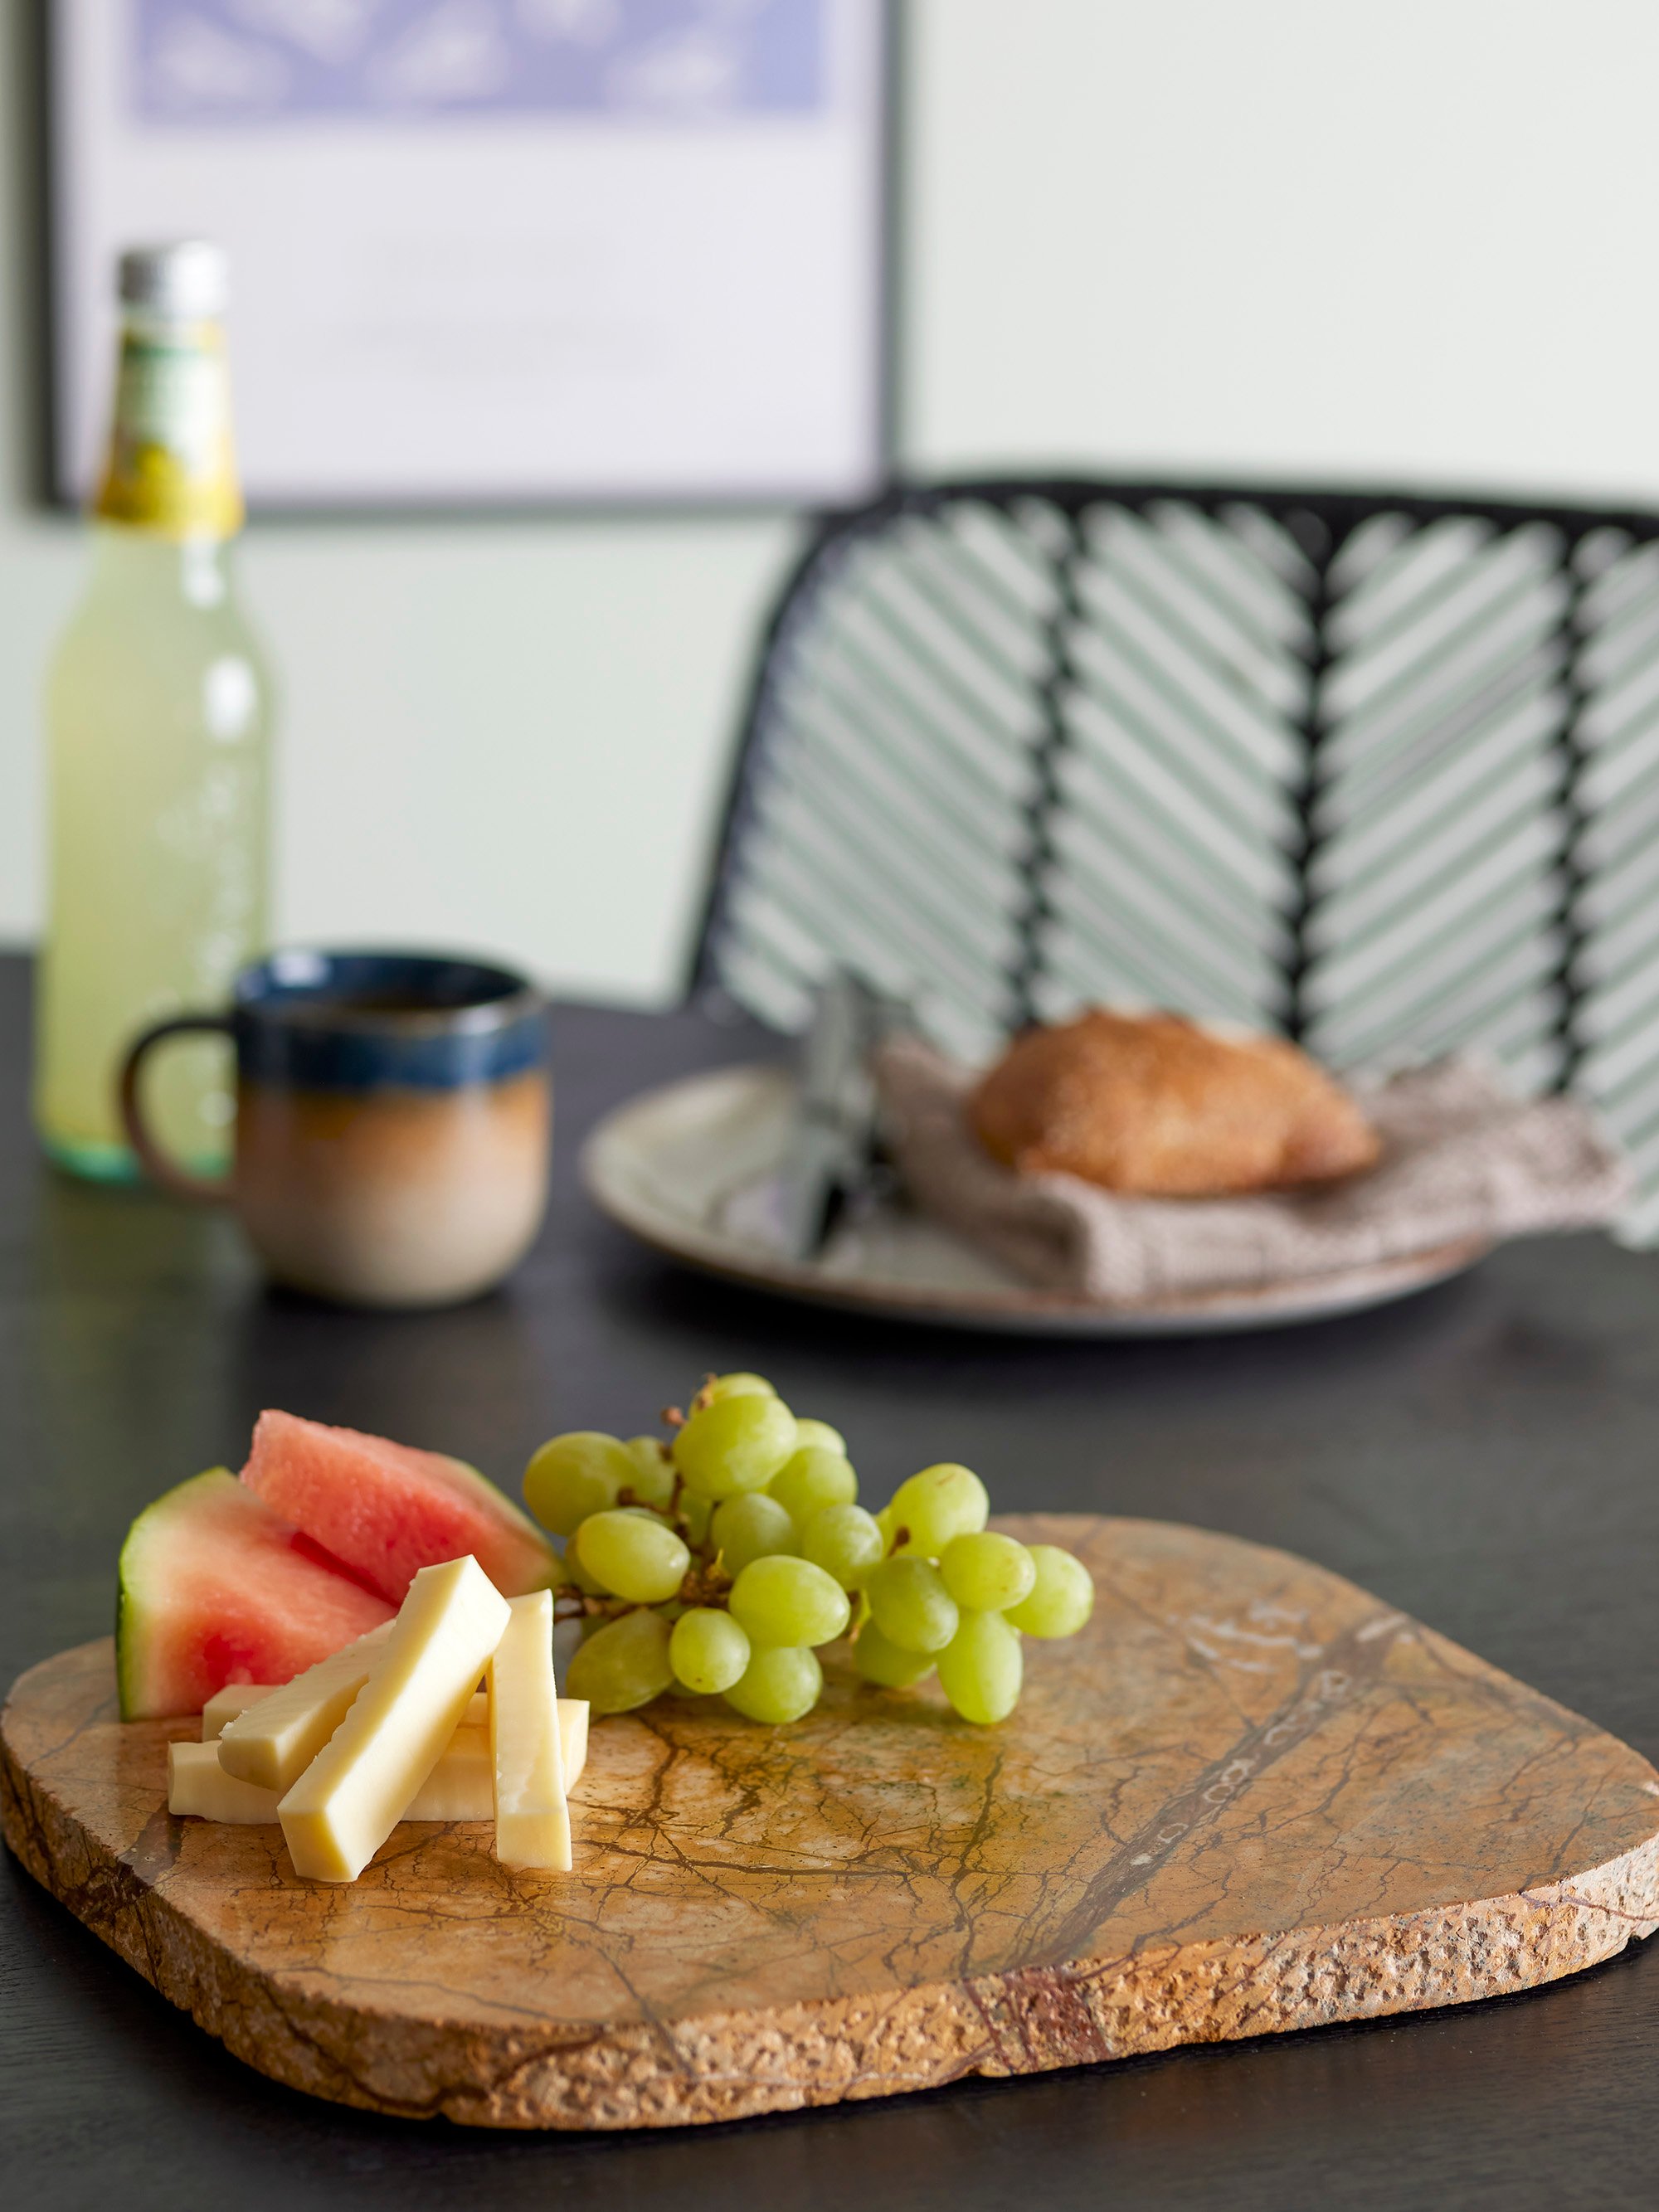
[1305,238]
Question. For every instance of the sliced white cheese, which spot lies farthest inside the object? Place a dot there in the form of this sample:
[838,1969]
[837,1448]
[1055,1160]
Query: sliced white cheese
[223,1706]
[533,1820]
[354,1793]
[272,1741]
[572,1740]
[460,1787]
[198,1783]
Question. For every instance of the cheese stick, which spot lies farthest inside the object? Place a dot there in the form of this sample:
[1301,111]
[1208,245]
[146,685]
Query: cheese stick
[339,1812]
[198,1783]
[273,1741]
[223,1706]
[460,1787]
[533,1821]
[235,1698]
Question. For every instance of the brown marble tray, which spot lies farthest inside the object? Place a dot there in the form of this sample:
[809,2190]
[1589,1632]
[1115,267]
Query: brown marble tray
[1249,1797]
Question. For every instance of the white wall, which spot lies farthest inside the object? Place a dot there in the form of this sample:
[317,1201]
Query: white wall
[1302,239]
[1310,239]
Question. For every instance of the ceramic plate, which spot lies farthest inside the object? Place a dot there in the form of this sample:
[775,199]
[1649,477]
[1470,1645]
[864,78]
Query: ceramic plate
[691,1170]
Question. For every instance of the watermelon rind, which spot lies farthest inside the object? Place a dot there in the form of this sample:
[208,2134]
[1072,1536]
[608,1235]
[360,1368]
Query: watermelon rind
[214,1587]
[128,1602]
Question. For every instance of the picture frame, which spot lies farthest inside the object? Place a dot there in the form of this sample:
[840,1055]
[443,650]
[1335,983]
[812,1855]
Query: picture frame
[577,254]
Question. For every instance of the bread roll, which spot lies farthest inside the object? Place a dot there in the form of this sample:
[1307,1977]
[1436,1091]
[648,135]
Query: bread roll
[1154,1105]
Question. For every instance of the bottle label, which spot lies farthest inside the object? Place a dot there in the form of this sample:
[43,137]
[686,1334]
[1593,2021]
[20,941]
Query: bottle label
[171,464]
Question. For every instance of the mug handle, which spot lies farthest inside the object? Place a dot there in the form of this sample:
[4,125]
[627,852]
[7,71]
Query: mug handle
[202,1189]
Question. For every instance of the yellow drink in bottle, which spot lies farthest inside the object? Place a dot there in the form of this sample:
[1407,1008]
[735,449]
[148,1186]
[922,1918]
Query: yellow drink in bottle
[157,717]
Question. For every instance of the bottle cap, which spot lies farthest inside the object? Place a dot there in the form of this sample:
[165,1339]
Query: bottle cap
[190,279]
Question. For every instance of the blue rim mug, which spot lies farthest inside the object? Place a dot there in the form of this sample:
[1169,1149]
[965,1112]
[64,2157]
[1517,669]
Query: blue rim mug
[393,1125]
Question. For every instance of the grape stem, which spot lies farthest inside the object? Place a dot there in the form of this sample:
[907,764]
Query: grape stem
[706,1583]
[671,1512]
[576,1605]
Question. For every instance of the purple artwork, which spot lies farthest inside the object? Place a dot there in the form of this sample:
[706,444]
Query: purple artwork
[275,61]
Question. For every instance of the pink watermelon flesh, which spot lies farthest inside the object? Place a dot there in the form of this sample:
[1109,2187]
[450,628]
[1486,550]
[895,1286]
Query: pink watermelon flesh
[216,1589]
[387,1510]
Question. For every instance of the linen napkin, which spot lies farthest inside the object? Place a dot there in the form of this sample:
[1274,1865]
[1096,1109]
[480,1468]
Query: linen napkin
[1461,1161]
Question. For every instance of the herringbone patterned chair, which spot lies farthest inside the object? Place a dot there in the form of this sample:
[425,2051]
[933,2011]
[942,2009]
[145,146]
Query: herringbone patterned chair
[1380,772]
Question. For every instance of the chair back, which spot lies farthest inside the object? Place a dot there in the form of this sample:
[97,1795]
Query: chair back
[1378,772]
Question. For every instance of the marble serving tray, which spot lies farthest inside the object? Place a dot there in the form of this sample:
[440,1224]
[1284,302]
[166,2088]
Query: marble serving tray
[1248,1797]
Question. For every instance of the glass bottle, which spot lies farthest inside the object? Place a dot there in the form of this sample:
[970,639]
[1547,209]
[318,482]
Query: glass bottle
[158,710]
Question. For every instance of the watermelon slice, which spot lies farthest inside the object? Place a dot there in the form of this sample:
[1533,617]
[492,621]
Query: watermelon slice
[387,1510]
[215,1589]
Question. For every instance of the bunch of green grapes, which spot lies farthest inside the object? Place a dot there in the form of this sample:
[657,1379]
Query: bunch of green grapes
[720,1562]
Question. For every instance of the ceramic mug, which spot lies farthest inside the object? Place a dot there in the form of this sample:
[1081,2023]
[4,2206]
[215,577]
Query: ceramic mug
[393,1116]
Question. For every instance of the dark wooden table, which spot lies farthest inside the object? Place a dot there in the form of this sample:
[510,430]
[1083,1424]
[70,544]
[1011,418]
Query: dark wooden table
[1486,1456]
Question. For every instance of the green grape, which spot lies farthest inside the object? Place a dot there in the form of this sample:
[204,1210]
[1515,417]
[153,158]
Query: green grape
[888,1525]
[780,1682]
[696,1513]
[1062,1598]
[985,1572]
[622,1665]
[939,1504]
[845,1541]
[820,1436]
[572,1476]
[633,1555]
[783,1601]
[910,1605]
[812,1478]
[882,1662]
[576,1575]
[736,1385]
[707,1651]
[653,1479]
[751,1526]
[736,1443]
[980,1668]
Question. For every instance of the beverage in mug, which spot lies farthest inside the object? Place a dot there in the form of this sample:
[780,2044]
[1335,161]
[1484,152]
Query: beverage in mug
[392,1121]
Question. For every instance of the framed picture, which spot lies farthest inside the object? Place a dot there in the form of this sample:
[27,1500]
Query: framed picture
[494,253]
